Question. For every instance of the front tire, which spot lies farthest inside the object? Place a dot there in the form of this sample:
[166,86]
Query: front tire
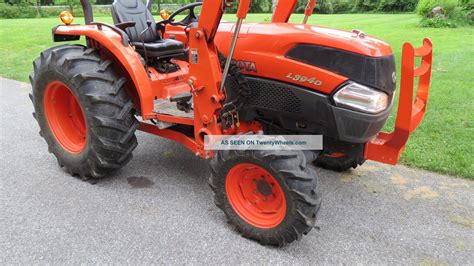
[270,196]
[336,162]
[83,111]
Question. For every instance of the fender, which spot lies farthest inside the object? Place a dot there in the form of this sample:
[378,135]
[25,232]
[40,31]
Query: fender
[125,54]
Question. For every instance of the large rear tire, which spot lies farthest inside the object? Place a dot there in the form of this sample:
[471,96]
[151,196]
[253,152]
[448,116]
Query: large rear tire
[83,111]
[270,196]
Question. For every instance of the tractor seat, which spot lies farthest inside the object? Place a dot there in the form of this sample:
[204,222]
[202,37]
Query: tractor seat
[160,48]
[135,11]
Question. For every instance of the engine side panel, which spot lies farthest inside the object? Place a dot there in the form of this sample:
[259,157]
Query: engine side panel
[296,109]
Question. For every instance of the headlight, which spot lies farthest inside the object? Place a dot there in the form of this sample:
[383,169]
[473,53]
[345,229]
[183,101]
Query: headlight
[362,98]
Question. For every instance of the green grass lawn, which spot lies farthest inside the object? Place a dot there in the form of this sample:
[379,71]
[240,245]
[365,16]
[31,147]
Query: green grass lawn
[444,141]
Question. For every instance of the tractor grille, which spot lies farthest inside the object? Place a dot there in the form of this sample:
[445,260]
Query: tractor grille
[269,94]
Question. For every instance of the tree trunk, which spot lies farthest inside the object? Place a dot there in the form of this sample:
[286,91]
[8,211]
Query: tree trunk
[38,8]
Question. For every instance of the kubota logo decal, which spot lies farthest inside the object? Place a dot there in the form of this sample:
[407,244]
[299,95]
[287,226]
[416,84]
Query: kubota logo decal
[248,66]
[304,79]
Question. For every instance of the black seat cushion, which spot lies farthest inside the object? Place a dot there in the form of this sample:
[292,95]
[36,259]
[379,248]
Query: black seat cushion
[161,47]
[135,10]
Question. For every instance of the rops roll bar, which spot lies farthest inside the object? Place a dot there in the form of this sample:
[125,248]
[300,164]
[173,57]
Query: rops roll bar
[87,9]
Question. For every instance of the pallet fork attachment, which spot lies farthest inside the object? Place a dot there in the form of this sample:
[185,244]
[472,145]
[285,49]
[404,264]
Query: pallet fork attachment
[388,147]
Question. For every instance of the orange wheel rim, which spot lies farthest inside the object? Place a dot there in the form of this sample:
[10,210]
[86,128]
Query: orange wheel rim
[255,195]
[65,117]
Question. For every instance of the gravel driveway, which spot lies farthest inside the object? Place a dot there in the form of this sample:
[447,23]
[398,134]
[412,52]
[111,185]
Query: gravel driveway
[159,209]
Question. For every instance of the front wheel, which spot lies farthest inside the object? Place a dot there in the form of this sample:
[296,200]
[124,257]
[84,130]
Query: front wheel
[270,196]
[338,162]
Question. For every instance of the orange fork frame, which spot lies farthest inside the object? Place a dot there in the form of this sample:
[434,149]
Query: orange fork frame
[388,147]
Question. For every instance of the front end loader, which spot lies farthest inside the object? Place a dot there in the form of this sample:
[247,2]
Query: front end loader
[198,77]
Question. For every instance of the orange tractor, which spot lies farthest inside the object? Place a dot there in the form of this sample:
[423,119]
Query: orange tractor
[196,77]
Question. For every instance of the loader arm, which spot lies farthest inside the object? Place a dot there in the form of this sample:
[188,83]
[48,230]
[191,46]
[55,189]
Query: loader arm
[206,75]
[285,8]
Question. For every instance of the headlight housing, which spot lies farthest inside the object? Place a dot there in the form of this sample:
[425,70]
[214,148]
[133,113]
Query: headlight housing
[359,97]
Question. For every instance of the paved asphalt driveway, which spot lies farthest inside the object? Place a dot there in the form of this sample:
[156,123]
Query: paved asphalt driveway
[159,209]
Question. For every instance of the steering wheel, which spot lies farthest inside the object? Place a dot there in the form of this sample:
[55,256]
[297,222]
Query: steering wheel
[190,18]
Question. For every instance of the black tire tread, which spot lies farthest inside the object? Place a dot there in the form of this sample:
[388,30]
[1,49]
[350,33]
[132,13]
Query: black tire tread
[341,164]
[299,178]
[109,108]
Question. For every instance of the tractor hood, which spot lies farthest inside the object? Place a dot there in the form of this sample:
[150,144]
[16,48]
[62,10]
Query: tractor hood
[296,53]
[272,36]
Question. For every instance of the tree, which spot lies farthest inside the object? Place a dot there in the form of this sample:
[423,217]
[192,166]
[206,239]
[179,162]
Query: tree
[258,6]
[72,4]
[46,2]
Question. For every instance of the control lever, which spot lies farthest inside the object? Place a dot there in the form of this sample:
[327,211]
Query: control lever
[142,38]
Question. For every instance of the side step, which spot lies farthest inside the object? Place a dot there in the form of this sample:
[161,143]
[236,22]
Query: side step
[166,107]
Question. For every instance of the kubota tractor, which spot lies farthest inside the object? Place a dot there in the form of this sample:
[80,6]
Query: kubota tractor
[196,77]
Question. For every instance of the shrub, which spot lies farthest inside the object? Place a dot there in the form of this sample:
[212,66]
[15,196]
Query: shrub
[17,11]
[9,11]
[467,4]
[437,22]
[326,7]
[425,6]
[341,6]
[455,13]
[333,6]
[397,5]
[461,16]
[25,11]
[50,11]
[366,5]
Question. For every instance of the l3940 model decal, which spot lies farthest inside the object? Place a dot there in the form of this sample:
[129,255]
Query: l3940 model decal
[304,79]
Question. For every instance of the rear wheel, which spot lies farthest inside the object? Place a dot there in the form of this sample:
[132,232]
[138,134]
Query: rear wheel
[65,117]
[83,110]
[270,196]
